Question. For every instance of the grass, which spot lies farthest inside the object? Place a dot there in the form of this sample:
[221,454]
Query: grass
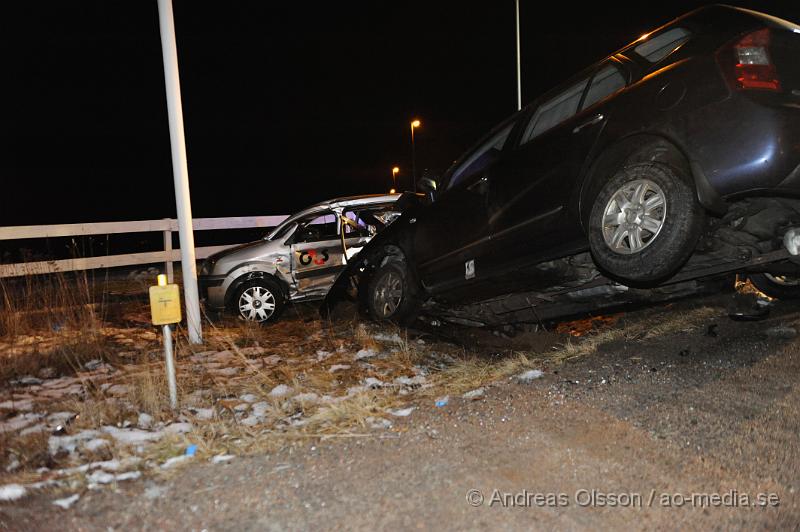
[299,351]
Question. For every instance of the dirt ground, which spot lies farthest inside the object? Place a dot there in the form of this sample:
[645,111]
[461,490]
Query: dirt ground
[655,430]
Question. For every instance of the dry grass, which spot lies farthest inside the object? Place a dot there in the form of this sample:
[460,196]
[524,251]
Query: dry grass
[299,351]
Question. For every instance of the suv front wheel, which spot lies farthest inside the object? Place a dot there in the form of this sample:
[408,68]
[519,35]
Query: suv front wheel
[391,295]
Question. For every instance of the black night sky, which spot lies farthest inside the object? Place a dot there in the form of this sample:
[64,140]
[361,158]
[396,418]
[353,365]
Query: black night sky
[285,104]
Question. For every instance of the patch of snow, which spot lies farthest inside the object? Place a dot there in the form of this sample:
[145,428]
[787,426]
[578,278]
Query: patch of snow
[70,443]
[241,407]
[271,360]
[365,353]
[529,376]
[322,355]
[171,462]
[33,430]
[378,423]
[19,422]
[309,397]
[353,390]
[118,389]
[372,382]
[12,492]
[66,502]
[178,428]
[249,398]
[252,421]
[61,417]
[474,394]
[410,381]
[402,412]
[202,413]
[27,380]
[93,364]
[95,444]
[145,421]
[130,475]
[132,436]
[100,477]
[280,390]
[260,409]
[222,458]
[390,338]
[338,367]
[25,405]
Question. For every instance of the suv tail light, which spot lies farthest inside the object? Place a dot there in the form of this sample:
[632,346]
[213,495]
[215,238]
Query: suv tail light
[752,66]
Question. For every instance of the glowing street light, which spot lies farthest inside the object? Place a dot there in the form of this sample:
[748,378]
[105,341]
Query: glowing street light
[395,171]
[414,125]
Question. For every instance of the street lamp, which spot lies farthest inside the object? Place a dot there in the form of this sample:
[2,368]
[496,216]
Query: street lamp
[414,125]
[395,171]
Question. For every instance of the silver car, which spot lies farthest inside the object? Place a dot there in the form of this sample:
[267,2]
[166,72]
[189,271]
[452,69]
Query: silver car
[298,261]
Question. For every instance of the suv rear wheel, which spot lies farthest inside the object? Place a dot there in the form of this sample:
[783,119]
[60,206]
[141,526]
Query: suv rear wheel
[645,222]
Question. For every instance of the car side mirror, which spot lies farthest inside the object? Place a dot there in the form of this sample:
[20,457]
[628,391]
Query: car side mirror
[429,186]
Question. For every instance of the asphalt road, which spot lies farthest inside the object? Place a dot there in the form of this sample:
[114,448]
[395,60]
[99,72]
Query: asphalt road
[678,431]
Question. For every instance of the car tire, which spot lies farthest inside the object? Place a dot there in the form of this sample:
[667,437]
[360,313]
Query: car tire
[258,300]
[776,286]
[391,295]
[645,223]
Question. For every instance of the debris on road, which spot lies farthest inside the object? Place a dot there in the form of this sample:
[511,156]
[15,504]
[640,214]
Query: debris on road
[442,401]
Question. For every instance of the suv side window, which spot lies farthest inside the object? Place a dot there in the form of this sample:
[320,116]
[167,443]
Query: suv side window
[605,82]
[481,157]
[657,48]
[554,111]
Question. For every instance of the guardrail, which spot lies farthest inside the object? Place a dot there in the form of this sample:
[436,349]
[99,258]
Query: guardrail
[166,226]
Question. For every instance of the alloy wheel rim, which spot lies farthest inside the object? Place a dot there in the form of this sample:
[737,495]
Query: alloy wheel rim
[256,304]
[388,294]
[634,216]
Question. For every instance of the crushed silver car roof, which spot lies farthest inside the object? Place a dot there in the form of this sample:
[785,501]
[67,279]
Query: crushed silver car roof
[347,201]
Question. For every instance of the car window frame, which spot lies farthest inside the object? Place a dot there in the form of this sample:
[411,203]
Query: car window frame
[513,121]
[587,74]
[311,216]
[621,68]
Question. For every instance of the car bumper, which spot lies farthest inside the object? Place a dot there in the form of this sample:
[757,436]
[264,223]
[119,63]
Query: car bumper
[212,291]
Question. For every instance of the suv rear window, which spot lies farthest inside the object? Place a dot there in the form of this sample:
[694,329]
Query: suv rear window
[657,48]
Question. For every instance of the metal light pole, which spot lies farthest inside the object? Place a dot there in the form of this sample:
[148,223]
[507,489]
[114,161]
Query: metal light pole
[395,171]
[519,70]
[415,124]
[180,172]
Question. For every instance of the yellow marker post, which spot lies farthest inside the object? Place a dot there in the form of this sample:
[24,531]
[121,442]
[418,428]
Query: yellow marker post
[165,309]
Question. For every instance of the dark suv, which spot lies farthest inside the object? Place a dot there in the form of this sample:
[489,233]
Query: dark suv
[674,158]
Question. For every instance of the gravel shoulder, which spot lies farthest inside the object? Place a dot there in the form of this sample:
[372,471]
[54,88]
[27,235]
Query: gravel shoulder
[710,412]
